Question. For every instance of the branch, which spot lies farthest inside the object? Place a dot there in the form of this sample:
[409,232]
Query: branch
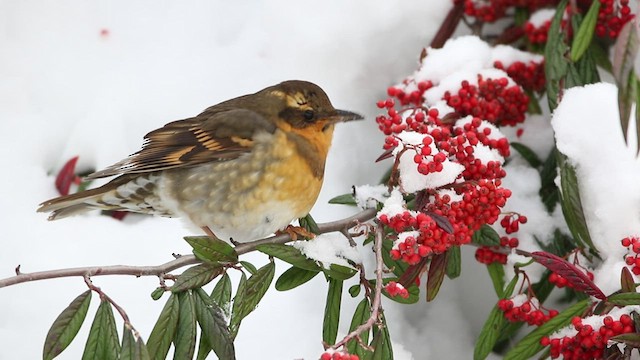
[377,294]
[163,269]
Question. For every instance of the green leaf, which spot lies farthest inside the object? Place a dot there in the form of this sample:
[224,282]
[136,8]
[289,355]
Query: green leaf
[157,293]
[339,272]
[250,295]
[527,154]
[530,344]
[548,189]
[491,329]
[355,290]
[332,312]
[102,342]
[435,275]
[360,316]
[382,342]
[309,224]
[196,276]
[454,262]
[249,267]
[631,339]
[624,299]
[496,272]
[583,37]
[221,293]
[289,254]
[486,236]
[184,339]
[344,199]
[65,327]
[165,328]
[572,204]
[293,278]
[213,325]
[556,64]
[132,349]
[212,250]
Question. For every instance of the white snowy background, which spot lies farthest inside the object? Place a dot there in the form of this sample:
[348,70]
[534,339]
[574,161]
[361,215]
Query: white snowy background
[68,89]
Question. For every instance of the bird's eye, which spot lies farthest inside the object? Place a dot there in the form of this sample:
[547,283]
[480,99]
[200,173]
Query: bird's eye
[308,115]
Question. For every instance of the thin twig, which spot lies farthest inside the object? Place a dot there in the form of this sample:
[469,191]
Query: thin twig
[181,261]
[105,297]
[377,294]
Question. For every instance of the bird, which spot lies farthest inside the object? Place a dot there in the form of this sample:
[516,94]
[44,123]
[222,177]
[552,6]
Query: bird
[240,170]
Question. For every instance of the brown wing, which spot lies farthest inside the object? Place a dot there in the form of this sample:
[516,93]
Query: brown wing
[207,137]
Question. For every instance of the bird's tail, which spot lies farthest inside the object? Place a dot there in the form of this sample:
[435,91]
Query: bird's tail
[77,203]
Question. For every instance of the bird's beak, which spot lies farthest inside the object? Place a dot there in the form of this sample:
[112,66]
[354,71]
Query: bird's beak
[343,115]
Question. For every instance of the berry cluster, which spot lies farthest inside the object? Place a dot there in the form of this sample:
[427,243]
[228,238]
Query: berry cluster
[559,281]
[537,35]
[632,260]
[511,223]
[492,10]
[530,75]
[420,235]
[493,100]
[485,255]
[588,341]
[612,16]
[395,289]
[522,308]
[328,355]
[393,123]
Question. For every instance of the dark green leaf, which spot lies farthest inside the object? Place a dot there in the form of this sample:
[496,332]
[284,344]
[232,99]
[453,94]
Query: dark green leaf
[583,37]
[382,342]
[196,276]
[556,64]
[221,293]
[344,199]
[165,328]
[65,327]
[492,326]
[435,275]
[355,290]
[309,224]
[583,72]
[289,254]
[213,325]
[332,312]
[496,272]
[627,284]
[252,292]
[527,154]
[208,249]
[548,189]
[530,344]
[157,293]
[572,204]
[632,339]
[102,343]
[249,267]
[454,262]
[486,236]
[293,278]
[132,349]
[203,349]
[184,339]
[360,316]
[339,272]
[624,299]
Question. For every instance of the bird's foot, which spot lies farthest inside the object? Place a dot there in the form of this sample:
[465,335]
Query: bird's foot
[295,232]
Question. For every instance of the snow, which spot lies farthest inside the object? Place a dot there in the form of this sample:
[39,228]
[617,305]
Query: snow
[539,17]
[331,248]
[67,90]
[368,196]
[608,172]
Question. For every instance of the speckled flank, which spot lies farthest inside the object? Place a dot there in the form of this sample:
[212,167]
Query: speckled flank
[227,205]
[138,195]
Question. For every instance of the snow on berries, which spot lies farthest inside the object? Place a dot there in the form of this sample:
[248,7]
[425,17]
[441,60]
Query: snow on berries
[395,289]
[587,338]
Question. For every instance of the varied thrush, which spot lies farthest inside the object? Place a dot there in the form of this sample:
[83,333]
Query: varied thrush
[242,169]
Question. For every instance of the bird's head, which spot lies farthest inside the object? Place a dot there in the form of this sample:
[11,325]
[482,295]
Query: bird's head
[303,106]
